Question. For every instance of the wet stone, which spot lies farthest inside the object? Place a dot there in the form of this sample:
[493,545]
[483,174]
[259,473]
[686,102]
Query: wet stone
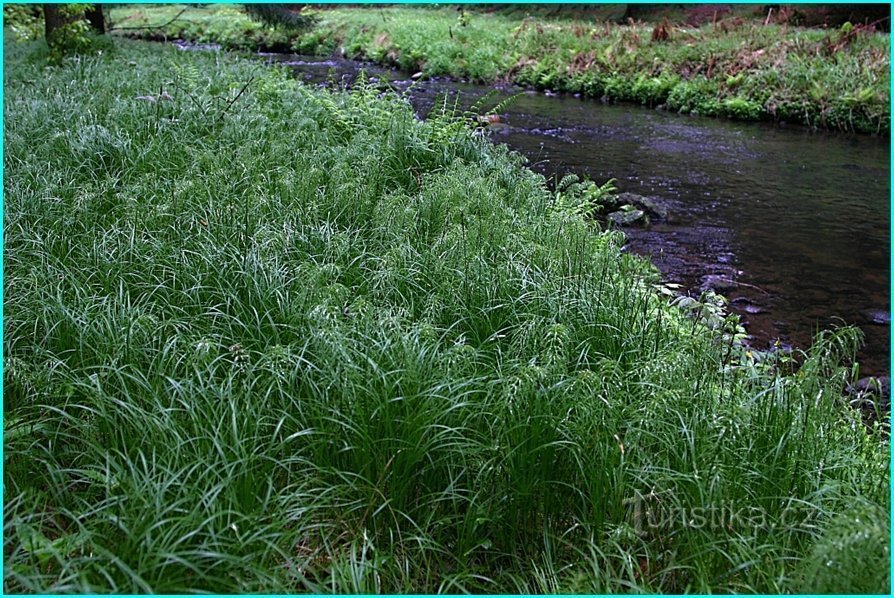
[877,316]
[626,217]
[648,204]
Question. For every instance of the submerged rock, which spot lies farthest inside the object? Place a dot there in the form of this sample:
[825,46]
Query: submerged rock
[626,217]
[499,128]
[877,316]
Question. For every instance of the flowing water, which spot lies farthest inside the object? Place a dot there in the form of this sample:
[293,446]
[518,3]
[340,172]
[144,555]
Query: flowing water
[792,225]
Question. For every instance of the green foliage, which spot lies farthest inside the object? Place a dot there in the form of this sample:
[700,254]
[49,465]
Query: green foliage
[24,21]
[741,108]
[260,337]
[690,95]
[584,197]
[71,37]
[74,36]
[289,16]
[853,554]
[652,90]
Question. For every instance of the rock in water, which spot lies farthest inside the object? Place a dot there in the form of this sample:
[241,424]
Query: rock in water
[648,204]
[499,128]
[877,316]
[626,217]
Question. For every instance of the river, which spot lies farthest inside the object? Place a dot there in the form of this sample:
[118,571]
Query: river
[792,225]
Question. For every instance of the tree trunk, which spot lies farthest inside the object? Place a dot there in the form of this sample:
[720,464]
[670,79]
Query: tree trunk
[97,20]
[52,19]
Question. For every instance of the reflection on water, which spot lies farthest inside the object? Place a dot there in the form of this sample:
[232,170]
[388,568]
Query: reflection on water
[794,223]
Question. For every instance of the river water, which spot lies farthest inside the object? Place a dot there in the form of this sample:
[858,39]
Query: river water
[792,225]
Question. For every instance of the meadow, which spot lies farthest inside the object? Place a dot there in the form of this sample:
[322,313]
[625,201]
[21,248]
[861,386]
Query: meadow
[736,68]
[262,337]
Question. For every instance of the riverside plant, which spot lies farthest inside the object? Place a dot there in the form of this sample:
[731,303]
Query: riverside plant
[260,337]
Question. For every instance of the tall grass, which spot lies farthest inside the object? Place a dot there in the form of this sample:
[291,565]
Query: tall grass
[738,68]
[264,338]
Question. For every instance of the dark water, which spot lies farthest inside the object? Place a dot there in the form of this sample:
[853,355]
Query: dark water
[794,224]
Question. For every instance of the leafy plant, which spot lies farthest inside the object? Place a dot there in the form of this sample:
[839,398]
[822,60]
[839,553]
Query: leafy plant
[24,21]
[584,198]
[73,34]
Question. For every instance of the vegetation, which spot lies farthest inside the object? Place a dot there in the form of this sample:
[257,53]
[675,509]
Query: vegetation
[736,68]
[260,337]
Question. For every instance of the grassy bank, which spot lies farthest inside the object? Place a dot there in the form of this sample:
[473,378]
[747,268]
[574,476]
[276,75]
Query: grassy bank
[738,68]
[265,338]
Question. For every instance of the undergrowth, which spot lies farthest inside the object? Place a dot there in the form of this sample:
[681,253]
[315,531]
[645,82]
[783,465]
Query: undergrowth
[260,337]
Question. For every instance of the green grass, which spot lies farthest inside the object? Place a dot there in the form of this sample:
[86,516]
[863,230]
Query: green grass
[738,68]
[265,338]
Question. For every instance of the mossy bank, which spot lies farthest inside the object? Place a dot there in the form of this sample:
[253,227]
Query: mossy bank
[738,68]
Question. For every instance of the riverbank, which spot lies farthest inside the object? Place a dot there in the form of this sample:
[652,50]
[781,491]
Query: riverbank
[266,338]
[737,68]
